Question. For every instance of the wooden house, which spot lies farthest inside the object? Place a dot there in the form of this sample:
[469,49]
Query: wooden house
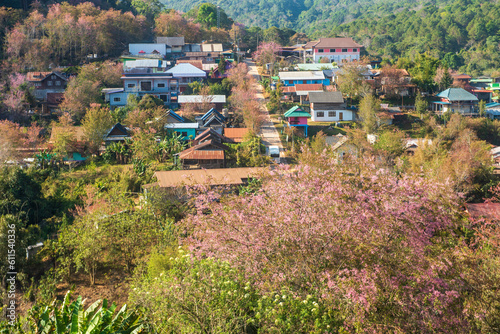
[296,116]
[118,133]
[208,154]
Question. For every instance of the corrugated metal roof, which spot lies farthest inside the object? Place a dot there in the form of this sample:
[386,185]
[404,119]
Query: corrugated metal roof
[484,210]
[302,75]
[457,94]
[202,98]
[308,87]
[186,70]
[315,67]
[36,76]
[218,176]
[326,97]
[296,112]
[182,126]
[203,155]
[340,42]
[196,63]
[237,134]
[171,41]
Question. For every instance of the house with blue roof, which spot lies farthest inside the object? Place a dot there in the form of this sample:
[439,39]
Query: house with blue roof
[212,119]
[456,100]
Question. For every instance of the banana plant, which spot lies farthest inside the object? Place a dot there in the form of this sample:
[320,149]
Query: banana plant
[72,318]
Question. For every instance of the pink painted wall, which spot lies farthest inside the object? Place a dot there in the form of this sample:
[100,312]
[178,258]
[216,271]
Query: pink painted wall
[298,120]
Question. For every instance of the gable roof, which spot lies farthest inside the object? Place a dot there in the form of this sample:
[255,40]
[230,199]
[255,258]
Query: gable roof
[315,67]
[40,76]
[195,63]
[236,134]
[339,42]
[198,152]
[218,176]
[326,97]
[309,87]
[210,134]
[175,116]
[457,94]
[120,133]
[296,112]
[209,114]
[186,70]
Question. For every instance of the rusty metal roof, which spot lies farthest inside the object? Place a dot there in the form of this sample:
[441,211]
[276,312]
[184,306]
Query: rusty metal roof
[218,176]
[235,134]
[484,210]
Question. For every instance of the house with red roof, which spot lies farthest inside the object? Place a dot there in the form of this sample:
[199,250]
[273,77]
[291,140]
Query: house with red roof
[339,50]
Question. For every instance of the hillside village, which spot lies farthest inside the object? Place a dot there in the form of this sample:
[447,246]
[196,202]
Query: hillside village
[211,177]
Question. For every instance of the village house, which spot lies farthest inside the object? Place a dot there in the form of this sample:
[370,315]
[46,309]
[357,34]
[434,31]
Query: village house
[343,49]
[297,117]
[329,107]
[166,85]
[237,135]
[456,100]
[218,101]
[303,77]
[300,92]
[187,131]
[212,119]
[117,134]
[49,88]
[208,154]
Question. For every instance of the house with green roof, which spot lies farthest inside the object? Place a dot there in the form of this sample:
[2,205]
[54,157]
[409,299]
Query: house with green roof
[456,100]
[296,116]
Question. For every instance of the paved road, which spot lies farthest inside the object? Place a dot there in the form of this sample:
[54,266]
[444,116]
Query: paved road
[268,132]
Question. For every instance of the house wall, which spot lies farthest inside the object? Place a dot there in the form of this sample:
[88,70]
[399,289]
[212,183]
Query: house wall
[297,120]
[336,54]
[289,83]
[332,115]
[186,134]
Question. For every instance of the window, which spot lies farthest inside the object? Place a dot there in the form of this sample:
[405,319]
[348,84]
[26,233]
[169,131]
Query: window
[49,83]
[344,50]
[58,83]
[320,50]
[164,98]
[320,114]
[354,50]
[184,133]
[304,81]
[332,114]
[161,85]
[290,82]
[116,99]
[145,85]
[130,85]
[332,50]
[53,77]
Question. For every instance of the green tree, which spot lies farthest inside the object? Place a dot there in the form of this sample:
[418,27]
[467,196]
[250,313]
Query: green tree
[368,109]
[96,123]
[420,104]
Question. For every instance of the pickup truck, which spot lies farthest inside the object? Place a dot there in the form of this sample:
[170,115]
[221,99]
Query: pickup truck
[274,152]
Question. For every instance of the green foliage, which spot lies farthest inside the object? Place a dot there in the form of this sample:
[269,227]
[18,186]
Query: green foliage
[72,318]
[368,109]
[391,143]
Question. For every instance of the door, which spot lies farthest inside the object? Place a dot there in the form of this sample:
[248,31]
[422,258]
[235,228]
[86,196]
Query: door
[341,116]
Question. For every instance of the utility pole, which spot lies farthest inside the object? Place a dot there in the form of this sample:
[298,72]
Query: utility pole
[218,17]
